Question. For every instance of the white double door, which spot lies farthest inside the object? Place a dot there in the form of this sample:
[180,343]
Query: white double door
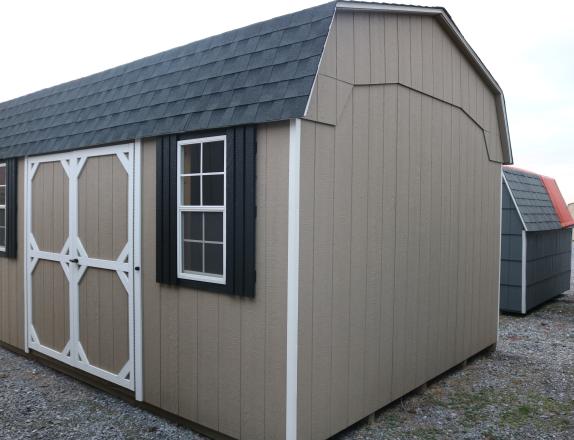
[81,256]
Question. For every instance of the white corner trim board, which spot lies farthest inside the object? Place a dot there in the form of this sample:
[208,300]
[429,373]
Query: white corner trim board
[293,278]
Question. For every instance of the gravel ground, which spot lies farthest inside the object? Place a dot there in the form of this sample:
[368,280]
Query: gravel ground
[524,390]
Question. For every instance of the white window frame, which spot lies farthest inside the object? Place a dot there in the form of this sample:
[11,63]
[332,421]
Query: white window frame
[201,208]
[3,207]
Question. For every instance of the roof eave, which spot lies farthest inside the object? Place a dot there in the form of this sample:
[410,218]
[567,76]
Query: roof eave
[444,18]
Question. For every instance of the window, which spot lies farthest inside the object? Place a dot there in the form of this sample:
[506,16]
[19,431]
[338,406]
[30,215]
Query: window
[2,207]
[205,210]
[201,209]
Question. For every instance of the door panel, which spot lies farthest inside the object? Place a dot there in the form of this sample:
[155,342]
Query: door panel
[80,260]
[50,304]
[50,217]
[102,207]
[104,319]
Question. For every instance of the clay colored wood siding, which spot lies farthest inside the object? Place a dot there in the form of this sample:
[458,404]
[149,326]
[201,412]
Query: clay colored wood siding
[400,220]
[380,48]
[12,281]
[213,358]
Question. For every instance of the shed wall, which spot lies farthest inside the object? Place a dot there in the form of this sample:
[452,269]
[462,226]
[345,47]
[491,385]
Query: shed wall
[547,265]
[400,219]
[216,359]
[511,256]
[12,321]
[414,51]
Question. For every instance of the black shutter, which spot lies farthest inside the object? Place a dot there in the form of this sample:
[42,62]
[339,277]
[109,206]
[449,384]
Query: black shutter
[11,209]
[241,209]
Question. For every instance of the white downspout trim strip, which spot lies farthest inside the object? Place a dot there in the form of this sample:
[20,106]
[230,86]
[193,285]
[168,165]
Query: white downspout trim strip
[293,278]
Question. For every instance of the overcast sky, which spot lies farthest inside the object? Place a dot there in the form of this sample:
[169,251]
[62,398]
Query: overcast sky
[527,45]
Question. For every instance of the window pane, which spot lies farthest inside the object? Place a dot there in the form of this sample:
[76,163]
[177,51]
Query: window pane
[191,158]
[214,258]
[2,217]
[190,190]
[3,175]
[192,256]
[2,195]
[213,157]
[214,226]
[2,237]
[213,190]
[192,226]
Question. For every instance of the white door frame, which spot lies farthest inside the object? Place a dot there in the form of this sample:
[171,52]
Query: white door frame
[73,354]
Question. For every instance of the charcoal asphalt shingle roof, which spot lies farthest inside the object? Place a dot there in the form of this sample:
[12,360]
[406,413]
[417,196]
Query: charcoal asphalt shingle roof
[259,73]
[533,201]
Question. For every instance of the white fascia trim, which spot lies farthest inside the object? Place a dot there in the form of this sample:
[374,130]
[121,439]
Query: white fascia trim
[523,304]
[514,201]
[293,278]
[455,32]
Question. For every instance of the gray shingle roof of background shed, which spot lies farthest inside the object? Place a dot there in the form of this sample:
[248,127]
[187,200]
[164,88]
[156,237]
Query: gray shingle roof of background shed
[259,73]
[532,200]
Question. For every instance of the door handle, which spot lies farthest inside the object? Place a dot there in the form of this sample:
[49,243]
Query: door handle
[74,260]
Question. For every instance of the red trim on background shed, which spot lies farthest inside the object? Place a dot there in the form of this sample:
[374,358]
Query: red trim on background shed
[558,202]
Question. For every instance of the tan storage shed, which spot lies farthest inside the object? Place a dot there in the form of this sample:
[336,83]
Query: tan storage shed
[270,233]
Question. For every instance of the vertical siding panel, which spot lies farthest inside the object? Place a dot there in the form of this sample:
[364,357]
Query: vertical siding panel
[454,241]
[253,348]
[414,237]
[456,77]
[401,250]
[464,90]
[437,39]
[208,356]
[416,52]
[472,84]
[427,53]
[446,238]
[425,292]
[345,37]
[187,366]
[391,49]
[151,298]
[306,272]
[362,48]
[377,37]
[388,240]
[471,245]
[435,233]
[329,61]
[447,67]
[359,215]
[374,232]
[229,365]
[404,36]
[341,268]
[464,237]
[323,281]
[327,99]
[18,286]
[169,350]
[276,280]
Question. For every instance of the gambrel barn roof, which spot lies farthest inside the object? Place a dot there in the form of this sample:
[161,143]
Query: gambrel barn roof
[260,73]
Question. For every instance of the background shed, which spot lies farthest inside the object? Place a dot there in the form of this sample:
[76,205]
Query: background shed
[536,241]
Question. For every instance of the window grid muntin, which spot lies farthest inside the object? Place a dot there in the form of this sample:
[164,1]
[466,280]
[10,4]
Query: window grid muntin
[3,209]
[204,276]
